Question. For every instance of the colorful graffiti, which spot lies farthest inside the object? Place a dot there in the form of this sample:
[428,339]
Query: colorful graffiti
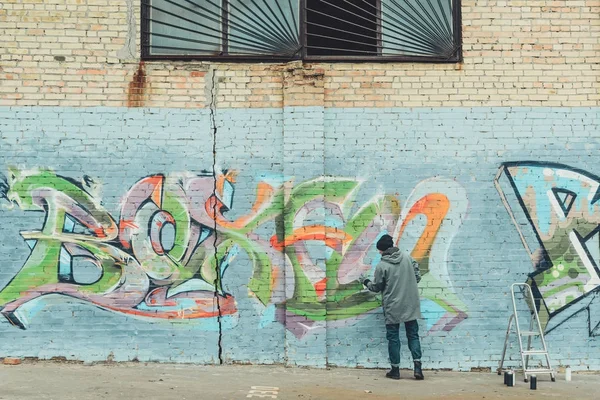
[560,205]
[166,255]
[136,273]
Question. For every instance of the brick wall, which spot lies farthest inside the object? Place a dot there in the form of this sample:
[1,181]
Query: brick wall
[407,163]
[516,53]
[322,159]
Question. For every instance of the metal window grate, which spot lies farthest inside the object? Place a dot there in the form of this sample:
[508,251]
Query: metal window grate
[263,30]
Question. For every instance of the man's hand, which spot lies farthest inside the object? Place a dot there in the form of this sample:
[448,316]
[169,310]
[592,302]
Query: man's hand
[363,279]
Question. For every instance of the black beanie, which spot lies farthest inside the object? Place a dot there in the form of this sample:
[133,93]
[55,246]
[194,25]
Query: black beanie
[385,243]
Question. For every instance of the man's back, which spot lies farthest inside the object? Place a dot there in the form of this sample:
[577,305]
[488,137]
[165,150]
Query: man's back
[396,272]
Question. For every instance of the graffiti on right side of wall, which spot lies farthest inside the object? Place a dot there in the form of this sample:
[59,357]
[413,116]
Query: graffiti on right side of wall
[557,213]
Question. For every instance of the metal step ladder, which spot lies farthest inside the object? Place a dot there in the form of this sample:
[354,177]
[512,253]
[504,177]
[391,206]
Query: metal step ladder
[534,323]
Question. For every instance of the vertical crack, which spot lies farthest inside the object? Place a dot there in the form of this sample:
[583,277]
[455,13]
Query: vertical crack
[213,122]
[127,52]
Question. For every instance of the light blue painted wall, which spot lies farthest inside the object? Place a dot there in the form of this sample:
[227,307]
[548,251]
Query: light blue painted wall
[391,150]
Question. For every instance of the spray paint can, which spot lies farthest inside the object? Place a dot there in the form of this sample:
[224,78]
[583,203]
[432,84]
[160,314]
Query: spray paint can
[568,374]
[511,379]
[533,382]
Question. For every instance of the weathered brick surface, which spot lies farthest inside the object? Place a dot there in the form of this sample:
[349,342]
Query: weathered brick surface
[516,53]
[322,159]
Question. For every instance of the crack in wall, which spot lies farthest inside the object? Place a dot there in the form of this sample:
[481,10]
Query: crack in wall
[127,52]
[213,95]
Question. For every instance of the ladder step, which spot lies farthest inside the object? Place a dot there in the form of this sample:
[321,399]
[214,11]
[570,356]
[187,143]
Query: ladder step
[529,352]
[539,371]
[529,333]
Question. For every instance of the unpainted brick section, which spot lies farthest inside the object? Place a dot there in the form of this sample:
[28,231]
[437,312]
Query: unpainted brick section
[516,53]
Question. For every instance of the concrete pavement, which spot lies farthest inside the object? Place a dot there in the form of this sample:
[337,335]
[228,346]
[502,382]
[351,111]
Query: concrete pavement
[133,381]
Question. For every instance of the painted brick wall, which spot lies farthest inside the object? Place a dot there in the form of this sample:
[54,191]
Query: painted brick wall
[409,155]
[322,159]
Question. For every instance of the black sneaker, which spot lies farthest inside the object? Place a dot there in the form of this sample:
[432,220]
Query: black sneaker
[394,373]
[418,371]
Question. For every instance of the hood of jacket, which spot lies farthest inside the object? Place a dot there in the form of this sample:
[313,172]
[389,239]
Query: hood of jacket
[393,255]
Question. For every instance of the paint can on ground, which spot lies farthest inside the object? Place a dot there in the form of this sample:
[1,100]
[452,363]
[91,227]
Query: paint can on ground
[533,382]
[511,379]
[568,374]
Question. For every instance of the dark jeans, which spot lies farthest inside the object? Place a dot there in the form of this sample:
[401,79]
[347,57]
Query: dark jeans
[393,337]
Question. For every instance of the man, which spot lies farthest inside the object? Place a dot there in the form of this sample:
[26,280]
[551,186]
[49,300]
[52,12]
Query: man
[397,275]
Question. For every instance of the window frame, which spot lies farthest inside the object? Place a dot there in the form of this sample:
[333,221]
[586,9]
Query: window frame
[457,57]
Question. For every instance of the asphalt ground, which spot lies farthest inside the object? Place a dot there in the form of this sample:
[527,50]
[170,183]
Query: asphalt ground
[64,381]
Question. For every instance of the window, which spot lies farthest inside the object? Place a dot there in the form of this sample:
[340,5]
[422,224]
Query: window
[265,30]
[341,28]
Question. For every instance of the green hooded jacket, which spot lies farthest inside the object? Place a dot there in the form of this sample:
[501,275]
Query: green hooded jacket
[397,276]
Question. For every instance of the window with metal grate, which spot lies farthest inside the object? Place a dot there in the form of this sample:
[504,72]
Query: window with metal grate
[264,30]
[342,28]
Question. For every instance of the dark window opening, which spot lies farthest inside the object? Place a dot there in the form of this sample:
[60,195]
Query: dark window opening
[340,28]
[284,30]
